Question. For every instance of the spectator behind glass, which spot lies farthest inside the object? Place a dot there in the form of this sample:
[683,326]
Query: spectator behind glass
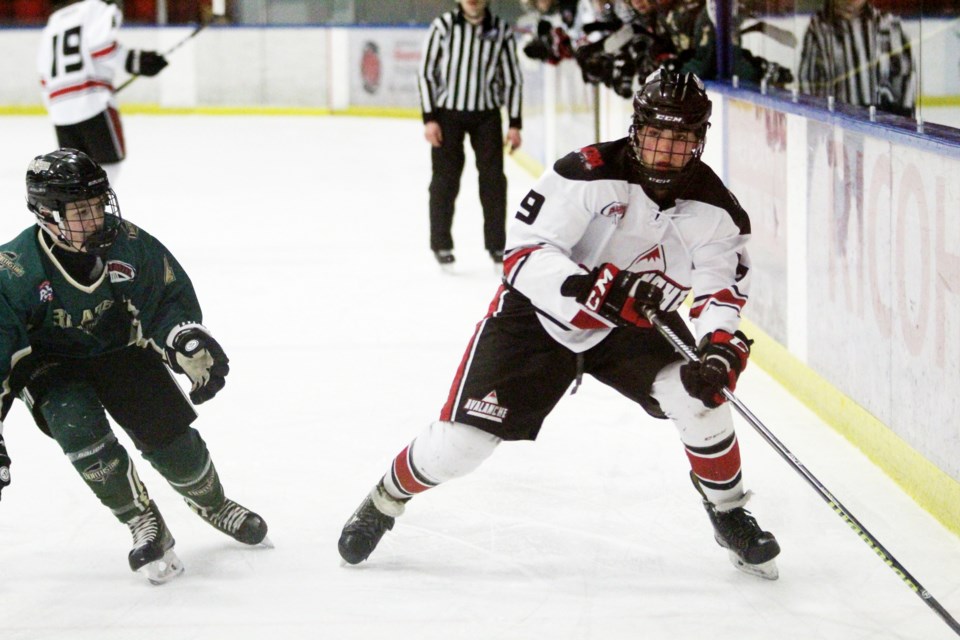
[860,56]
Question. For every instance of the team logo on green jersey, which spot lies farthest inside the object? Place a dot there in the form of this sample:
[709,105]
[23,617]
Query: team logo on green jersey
[10,261]
[169,276]
[46,291]
[120,271]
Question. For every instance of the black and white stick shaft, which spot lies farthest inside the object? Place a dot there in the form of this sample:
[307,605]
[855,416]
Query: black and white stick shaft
[783,36]
[688,354]
[219,9]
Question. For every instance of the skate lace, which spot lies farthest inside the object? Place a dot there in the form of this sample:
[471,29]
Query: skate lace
[739,527]
[144,528]
[230,516]
[370,520]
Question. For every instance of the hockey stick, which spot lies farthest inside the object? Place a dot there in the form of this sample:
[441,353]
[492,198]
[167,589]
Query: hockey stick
[198,29]
[689,355]
[779,34]
[218,10]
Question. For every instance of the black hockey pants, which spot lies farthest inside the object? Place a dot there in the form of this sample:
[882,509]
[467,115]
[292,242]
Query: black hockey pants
[485,129]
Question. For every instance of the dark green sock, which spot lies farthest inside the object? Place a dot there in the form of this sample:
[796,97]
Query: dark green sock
[187,466]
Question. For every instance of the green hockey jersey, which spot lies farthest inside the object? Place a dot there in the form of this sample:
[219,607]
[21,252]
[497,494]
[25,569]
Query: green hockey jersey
[141,294]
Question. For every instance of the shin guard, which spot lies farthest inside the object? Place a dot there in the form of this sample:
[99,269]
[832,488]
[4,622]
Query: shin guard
[444,451]
[708,437]
[107,469]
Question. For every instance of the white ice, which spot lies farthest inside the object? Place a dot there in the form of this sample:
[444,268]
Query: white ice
[306,239]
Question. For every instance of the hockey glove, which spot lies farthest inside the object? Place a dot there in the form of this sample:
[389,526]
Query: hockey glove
[537,50]
[723,357]
[621,75]
[145,63]
[191,350]
[541,47]
[4,466]
[618,296]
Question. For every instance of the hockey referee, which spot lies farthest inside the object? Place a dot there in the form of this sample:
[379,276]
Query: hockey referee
[469,71]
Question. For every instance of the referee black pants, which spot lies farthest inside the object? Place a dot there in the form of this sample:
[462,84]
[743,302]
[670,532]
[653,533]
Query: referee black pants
[486,138]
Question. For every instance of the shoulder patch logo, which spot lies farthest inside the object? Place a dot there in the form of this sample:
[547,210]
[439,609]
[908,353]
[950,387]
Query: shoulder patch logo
[168,275]
[120,271]
[591,158]
[46,291]
[10,261]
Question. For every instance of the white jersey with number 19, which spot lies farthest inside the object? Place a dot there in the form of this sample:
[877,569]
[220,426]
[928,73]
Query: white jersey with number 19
[78,58]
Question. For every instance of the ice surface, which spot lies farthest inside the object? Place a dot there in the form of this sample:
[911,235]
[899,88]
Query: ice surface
[306,239]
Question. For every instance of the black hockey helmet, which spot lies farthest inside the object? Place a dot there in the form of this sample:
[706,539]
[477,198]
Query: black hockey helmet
[66,176]
[675,101]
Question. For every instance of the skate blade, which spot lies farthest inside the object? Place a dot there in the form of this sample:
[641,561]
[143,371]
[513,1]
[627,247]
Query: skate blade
[267,542]
[165,569]
[767,570]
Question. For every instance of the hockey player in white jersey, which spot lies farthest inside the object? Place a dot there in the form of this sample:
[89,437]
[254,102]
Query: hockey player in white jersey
[78,58]
[611,230]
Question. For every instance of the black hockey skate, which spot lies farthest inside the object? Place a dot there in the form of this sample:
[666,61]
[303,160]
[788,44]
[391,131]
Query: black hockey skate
[445,259]
[153,547]
[236,521]
[367,525]
[752,550]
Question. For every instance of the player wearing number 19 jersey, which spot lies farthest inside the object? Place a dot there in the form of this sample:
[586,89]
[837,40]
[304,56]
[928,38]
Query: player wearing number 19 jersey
[614,232]
[79,56]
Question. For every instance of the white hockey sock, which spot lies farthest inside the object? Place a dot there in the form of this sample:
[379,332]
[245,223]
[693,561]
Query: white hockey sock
[444,451]
[708,436]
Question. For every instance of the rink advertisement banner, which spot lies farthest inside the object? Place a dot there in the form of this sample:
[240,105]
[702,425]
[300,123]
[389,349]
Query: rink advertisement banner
[757,174]
[884,283]
[383,66]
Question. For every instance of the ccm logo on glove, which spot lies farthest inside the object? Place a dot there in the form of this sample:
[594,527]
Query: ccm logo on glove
[618,296]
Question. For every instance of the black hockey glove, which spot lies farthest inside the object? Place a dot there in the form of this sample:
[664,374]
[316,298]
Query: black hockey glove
[774,74]
[594,63]
[537,50]
[193,351]
[621,75]
[145,63]
[541,47]
[4,466]
[618,296]
[723,357]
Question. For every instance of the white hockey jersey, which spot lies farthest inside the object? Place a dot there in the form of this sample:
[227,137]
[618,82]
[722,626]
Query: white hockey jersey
[78,58]
[590,209]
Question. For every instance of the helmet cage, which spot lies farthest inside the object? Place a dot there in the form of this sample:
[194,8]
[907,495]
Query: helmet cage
[68,177]
[668,101]
[102,209]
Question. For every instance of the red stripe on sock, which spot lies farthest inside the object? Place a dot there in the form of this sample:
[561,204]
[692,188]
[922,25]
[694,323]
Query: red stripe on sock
[404,474]
[721,468]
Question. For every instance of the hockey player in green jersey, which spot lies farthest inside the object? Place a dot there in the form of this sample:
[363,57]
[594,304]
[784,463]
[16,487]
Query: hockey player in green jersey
[93,312]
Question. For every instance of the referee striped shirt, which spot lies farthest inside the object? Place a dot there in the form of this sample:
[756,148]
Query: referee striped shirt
[858,61]
[470,67]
